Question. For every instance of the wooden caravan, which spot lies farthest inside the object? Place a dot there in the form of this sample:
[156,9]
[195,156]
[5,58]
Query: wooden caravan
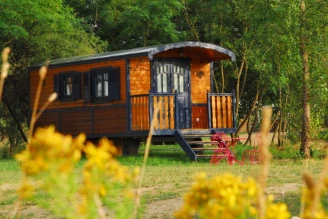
[114,95]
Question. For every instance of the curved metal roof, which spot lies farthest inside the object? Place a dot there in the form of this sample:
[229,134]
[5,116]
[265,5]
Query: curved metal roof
[213,52]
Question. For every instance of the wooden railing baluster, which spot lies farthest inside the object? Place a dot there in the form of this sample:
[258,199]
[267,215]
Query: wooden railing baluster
[221,108]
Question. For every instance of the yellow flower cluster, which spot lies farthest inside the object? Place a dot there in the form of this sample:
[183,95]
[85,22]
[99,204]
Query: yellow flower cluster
[101,172]
[52,158]
[226,196]
[101,157]
[49,147]
[276,210]
[311,211]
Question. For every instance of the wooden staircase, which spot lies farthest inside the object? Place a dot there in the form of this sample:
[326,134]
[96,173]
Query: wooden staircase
[195,145]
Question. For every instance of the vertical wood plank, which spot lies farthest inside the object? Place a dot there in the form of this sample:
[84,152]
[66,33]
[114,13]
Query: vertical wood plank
[229,114]
[213,104]
[167,112]
[144,113]
[147,113]
[224,112]
[133,113]
[138,112]
[161,114]
[155,115]
[172,112]
[219,111]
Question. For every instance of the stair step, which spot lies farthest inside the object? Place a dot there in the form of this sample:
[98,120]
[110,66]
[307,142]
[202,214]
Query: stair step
[197,136]
[204,155]
[202,142]
[203,149]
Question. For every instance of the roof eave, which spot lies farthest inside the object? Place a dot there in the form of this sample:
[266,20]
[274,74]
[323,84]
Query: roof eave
[216,48]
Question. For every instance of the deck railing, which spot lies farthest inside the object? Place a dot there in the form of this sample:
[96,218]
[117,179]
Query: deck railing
[165,118]
[221,110]
[139,116]
[142,108]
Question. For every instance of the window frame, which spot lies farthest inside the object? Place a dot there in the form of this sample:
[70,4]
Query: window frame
[113,84]
[61,89]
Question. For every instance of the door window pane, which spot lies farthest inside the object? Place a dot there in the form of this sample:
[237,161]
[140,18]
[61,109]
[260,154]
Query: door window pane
[164,83]
[68,86]
[181,87]
[176,82]
[159,83]
[106,84]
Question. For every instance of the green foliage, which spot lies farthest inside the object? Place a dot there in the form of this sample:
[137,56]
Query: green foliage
[323,135]
[5,151]
[240,149]
[37,31]
[287,152]
[130,24]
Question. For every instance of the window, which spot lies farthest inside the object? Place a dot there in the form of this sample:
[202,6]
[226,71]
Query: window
[101,84]
[67,85]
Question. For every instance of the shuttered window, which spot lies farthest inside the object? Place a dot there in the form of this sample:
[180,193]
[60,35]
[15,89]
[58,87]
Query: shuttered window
[67,85]
[105,84]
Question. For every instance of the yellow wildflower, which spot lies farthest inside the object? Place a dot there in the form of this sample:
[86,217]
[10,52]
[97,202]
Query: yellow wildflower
[25,190]
[226,196]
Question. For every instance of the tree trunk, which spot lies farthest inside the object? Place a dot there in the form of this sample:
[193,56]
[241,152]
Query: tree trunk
[285,121]
[238,95]
[280,116]
[272,126]
[222,79]
[250,132]
[246,119]
[305,138]
[12,113]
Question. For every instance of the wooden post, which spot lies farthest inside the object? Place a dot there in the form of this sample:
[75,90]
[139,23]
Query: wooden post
[209,111]
[176,110]
[150,107]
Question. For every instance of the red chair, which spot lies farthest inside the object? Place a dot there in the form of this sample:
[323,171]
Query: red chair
[223,151]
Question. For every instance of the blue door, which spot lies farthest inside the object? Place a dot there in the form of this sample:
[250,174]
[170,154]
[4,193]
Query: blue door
[170,77]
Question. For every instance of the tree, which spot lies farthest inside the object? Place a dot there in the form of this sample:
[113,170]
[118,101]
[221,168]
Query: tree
[47,30]
[313,37]
[130,24]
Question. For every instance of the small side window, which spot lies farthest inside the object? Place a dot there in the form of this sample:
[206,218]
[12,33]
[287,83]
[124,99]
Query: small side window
[68,86]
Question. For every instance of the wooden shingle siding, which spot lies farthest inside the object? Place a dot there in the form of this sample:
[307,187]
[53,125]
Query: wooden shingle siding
[200,85]
[140,76]
[111,120]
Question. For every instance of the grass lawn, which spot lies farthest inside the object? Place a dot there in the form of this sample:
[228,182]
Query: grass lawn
[169,174]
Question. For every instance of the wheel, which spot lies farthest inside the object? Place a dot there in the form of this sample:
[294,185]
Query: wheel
[200,152]
[130,146]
